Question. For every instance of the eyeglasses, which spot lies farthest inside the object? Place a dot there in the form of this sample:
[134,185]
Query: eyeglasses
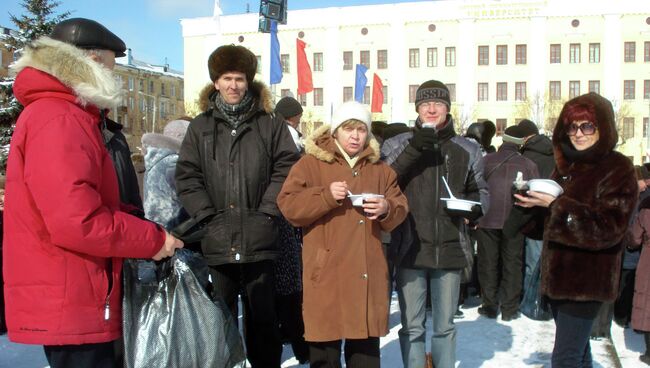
[587,128]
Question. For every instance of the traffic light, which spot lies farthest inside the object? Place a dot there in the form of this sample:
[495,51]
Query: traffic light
[272,10]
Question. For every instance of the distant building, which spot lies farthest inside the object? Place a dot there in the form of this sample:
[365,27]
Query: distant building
[153,95]
[502,60]
[6,55]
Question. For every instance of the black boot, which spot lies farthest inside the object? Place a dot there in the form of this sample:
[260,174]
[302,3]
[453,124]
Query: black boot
[646,357]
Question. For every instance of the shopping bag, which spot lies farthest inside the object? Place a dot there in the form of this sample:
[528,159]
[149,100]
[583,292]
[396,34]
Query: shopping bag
[170,320]
[534,305]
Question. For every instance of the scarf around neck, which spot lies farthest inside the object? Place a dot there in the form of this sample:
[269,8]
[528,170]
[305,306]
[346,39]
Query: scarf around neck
[234,114]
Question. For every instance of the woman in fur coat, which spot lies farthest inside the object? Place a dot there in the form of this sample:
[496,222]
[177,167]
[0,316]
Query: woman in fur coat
[345,276]
[584,226]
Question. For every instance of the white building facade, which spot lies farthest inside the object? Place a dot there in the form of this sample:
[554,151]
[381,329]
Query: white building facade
[502,60]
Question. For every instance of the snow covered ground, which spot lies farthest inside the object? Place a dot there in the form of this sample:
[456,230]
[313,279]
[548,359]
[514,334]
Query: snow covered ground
[481,342]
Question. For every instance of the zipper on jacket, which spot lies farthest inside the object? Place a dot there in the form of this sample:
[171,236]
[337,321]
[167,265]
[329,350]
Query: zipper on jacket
[109,274]
[107,311]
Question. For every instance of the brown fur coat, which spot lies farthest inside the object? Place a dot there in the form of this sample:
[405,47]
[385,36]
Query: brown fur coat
[582,252]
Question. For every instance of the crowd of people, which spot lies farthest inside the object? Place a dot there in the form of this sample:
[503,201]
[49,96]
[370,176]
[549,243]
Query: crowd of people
[310,235]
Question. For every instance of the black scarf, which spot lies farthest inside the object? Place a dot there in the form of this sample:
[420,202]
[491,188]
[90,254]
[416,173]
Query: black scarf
[234,114]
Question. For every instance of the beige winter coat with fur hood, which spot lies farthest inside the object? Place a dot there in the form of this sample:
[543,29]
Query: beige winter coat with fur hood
[345,277]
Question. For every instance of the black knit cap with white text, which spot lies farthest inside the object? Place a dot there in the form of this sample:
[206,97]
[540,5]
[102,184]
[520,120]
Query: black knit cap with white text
[432,90]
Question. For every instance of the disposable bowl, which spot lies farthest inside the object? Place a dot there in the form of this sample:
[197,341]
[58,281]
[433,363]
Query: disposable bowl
[545,186]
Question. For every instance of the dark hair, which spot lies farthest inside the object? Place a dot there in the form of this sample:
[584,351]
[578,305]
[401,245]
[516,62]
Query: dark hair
[578,112]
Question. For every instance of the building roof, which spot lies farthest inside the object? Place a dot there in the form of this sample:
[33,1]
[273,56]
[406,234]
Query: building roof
[130,62]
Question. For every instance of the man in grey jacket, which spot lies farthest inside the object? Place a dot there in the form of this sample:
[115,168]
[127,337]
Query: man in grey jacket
[432,243]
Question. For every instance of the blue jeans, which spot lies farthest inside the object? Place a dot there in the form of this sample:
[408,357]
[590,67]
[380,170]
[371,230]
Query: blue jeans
[573,322]
[411,292]
[532,254]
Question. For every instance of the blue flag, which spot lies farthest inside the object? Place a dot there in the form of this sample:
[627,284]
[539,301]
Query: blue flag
[360,82]
[276,65]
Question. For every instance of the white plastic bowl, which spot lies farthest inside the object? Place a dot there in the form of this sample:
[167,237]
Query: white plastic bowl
[545,186]
[357,199]
[459,204]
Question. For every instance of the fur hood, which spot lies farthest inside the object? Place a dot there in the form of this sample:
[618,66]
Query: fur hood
[259,90]
[91,82]
[605,121]
[321,145]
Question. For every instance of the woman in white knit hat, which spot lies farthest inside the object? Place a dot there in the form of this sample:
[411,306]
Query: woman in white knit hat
[345,277]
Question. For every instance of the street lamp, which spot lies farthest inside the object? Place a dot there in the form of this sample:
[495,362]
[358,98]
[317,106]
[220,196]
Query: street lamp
[153,123]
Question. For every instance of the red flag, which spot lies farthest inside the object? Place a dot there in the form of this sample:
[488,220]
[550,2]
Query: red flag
[377,94]
[304,70]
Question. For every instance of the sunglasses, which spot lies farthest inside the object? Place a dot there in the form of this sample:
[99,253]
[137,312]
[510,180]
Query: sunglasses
[588,128]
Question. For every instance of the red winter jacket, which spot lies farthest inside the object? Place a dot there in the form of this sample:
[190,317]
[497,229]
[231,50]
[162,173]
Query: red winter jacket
[64,231]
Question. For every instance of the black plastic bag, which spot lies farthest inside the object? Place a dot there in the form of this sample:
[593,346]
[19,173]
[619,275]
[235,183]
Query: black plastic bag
[534,305]
[171,321]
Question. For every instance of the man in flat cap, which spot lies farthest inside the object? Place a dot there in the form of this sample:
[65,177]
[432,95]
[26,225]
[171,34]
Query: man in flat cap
[65,229]
[231,166]
[290,109]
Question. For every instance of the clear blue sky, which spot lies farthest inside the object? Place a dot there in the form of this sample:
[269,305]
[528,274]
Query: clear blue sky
[151,28]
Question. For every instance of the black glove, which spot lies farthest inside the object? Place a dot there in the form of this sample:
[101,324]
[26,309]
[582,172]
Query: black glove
[425,139]
[472,215]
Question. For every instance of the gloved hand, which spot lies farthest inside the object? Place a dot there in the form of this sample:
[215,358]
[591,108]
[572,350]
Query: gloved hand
[471,216]
[425,139]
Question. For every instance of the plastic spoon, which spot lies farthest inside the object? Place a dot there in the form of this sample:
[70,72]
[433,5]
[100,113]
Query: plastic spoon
[350,194]
[451,195]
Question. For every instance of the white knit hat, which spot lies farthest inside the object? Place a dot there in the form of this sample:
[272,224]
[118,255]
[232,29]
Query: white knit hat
[350,110]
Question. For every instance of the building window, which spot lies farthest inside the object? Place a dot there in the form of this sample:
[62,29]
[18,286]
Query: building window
[502,91]
[413,88]
[347,60]
[452,91]
[131,83]
[259,63]
[645,127]
[628,90]
[628,127]
[173,90]
[347,94]
[318,61]
[414,58]
[432,57]
[131,103]
[574,89]
[483,55]
[594,53]
[520,91]
[574,53]
[382,59]
[162,89]
[482,92]
[318,97]
[284,60]
[142,103]
[302,98]
[630,52]
[364,58]
[646,89]
[501,126]
[366,95]
[141,84]
[556,52]
[150,86]
[285,92]
[594,86]
[520,54]
[646,51]
[554,90]
[502,54]
[450,56]
[384,91]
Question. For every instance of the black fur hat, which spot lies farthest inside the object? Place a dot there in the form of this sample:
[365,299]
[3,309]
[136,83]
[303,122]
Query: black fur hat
[231,58]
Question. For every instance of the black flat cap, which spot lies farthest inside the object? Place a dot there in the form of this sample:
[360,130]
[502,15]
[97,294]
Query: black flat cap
[88,34]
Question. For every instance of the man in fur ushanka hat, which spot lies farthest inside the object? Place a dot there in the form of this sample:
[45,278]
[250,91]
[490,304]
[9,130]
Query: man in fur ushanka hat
[232,163]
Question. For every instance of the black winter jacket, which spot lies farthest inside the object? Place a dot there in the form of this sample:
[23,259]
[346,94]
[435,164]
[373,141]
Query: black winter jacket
[540,150]
[429,237]
[232,177]
[127,179]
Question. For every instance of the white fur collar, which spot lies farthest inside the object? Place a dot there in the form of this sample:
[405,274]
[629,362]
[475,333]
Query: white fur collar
[92,82]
